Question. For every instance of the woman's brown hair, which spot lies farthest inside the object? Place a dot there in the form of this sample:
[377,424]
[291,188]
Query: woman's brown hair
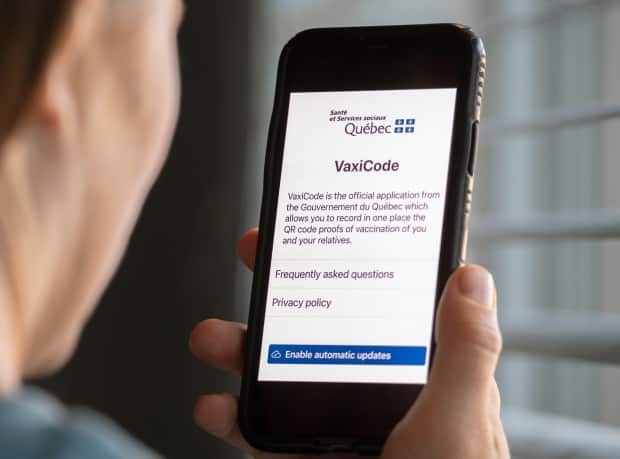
[29,30]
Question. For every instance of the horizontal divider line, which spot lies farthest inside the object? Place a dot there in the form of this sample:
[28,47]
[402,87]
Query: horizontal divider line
[272,287]
[342,260]
[314,316]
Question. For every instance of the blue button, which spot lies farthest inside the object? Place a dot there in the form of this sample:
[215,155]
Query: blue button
[409,130]
[411,121]
[398,130]
[287,354]
[399,122]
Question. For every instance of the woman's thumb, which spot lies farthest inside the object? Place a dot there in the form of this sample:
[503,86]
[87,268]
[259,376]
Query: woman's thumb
[467,333]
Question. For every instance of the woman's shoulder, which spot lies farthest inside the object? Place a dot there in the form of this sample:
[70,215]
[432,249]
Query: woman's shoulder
[34,425]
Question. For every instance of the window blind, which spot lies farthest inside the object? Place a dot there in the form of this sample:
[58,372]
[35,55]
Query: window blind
[555,133]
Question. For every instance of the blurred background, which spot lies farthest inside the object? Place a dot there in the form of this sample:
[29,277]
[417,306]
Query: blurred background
[546,218]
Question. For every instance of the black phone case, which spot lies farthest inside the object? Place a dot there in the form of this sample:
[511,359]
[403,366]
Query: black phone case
[453,246]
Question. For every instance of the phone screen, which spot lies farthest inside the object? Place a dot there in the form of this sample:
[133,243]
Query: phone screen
[357,237]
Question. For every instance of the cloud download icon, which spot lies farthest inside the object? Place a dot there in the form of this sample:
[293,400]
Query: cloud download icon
[276,355]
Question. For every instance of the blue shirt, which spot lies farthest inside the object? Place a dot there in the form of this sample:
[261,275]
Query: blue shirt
[33,425]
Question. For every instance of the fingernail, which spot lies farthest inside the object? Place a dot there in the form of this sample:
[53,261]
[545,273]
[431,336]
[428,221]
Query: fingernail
[477,284]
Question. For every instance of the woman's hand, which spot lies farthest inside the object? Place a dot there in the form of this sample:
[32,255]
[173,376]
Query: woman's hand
[457,415]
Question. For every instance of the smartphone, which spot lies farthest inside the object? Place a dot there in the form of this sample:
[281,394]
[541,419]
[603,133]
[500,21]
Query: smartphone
[367,189]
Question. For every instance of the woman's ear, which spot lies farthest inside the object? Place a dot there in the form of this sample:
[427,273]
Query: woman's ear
[55,104]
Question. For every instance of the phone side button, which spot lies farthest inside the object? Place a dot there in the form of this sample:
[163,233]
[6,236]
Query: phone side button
[473,148]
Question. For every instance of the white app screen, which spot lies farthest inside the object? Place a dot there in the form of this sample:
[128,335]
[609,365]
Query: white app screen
[357,238]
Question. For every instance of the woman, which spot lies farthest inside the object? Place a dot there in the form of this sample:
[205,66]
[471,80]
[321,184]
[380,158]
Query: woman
[89,92]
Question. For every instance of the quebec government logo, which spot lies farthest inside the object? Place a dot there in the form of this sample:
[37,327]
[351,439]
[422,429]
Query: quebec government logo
[404,126]
[371,124]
